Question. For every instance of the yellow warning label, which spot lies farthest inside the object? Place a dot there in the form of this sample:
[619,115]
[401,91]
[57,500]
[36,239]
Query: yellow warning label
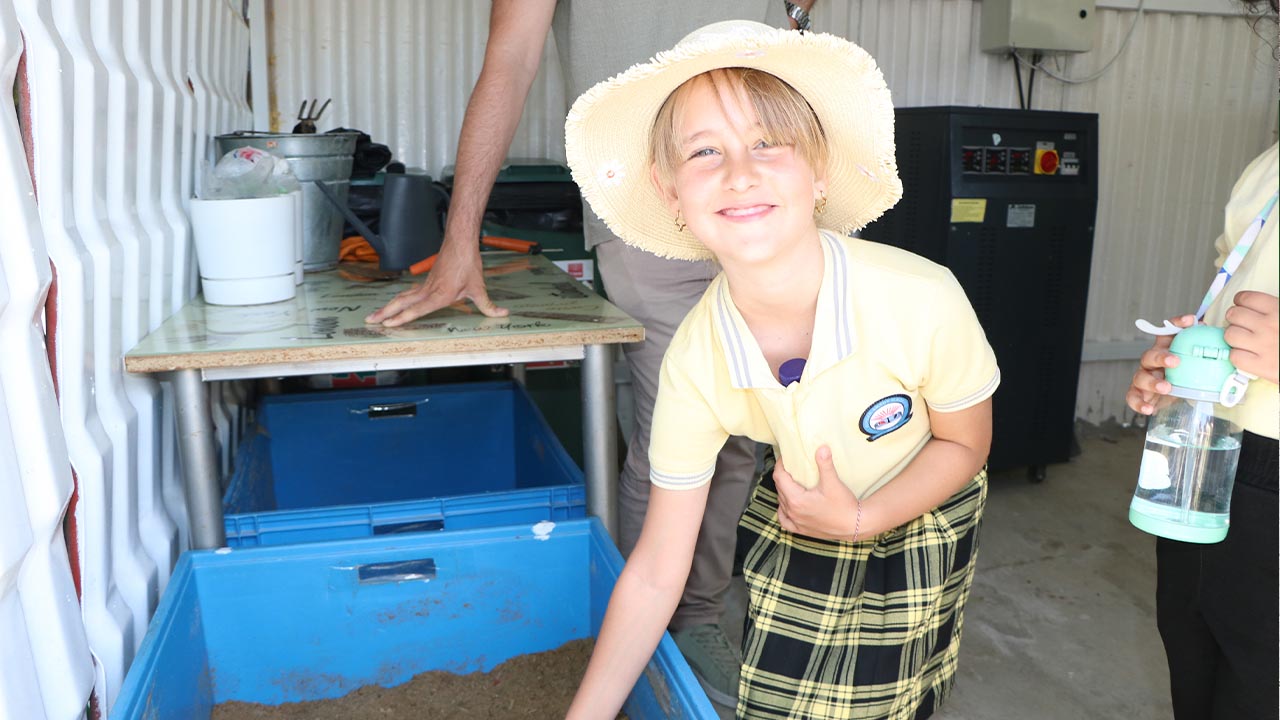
[972,210]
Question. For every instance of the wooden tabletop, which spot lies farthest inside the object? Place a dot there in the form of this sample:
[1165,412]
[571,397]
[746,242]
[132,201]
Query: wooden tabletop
[326,322]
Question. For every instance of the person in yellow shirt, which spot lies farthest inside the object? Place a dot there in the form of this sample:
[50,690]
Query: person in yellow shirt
[760,149]
[1217,605]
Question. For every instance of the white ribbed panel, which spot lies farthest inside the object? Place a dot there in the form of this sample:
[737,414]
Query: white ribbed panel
[1180,114]
[126,95]
[145,235]
[45,667]
[229,401]
[402,71]
[175,160]
[107,616]
[19,682]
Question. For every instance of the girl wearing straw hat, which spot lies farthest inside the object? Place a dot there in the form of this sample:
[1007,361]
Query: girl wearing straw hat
[762,148]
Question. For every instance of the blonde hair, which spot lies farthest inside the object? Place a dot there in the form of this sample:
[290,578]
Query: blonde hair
[783,113]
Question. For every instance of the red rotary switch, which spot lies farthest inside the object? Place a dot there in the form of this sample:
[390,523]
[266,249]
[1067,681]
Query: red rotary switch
[1046,162]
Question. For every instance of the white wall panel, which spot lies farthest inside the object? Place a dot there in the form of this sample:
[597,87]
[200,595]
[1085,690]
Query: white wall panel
[19,684]
[115,567]
[171,273]
[126,95]
[137,209]
[45,667]
[107,616]
[1181,112]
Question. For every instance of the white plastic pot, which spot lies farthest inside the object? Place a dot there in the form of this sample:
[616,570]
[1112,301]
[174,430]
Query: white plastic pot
[247,249]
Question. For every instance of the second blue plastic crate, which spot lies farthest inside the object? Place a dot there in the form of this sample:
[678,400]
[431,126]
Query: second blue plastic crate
[346,464]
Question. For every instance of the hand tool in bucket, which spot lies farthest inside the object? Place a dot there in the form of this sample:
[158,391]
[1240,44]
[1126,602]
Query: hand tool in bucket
[307,119]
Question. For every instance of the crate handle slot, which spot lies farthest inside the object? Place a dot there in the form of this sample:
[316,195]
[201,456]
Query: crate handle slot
[408,527]
[390,410]
[423,569]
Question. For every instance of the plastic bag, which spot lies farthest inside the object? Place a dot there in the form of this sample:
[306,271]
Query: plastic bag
[248,172]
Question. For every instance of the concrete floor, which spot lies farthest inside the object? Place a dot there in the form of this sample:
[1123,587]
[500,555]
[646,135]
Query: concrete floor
[1061,621]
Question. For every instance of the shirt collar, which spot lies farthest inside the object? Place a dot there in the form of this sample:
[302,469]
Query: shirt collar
[834,338]
[835,307]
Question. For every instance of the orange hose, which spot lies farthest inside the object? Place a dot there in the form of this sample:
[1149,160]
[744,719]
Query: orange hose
[506,243]
[423,265]
[356,249]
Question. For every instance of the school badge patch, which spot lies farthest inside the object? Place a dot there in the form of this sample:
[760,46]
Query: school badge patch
[884,416]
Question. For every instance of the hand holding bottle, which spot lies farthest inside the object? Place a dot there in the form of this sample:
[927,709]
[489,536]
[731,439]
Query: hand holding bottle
[1148,381]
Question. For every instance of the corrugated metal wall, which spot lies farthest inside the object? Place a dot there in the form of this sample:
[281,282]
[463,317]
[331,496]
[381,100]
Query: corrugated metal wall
[124,98]
[402,71]
[1188,104]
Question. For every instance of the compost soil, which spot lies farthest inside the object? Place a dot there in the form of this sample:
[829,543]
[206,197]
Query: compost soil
[537,686]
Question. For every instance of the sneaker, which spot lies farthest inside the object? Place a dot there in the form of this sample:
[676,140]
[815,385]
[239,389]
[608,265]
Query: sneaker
[715,662]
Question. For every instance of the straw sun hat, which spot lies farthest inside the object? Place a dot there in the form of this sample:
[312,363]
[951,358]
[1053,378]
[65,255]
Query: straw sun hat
[607,130]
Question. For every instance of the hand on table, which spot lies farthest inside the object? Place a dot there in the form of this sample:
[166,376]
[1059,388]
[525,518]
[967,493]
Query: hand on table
[1253,332]
[458,275]
[828,511]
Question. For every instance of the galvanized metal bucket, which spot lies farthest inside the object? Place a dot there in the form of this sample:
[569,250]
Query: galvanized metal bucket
[326,157]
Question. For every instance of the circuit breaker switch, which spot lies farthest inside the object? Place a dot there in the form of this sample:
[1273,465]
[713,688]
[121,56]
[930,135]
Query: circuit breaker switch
[1046,161]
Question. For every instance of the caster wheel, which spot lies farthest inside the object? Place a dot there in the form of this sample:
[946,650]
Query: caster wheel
[1036,474]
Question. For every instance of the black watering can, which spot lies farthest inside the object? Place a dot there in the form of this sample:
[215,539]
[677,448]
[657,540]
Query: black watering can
[409,221]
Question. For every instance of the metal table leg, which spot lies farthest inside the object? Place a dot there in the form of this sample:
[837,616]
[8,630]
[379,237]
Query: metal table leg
[199,460]
[599,436]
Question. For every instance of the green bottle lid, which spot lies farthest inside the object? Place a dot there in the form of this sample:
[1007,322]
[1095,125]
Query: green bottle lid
[1204,359]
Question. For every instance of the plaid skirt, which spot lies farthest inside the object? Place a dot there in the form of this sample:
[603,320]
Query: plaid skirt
[855,630]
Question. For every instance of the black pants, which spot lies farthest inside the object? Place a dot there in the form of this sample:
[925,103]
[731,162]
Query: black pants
[1216,605]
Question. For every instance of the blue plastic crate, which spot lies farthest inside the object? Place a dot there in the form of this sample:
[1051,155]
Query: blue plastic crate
[307,622]
[347,464]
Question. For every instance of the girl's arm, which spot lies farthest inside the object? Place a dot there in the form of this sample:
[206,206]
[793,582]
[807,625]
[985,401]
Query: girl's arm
[955,367]
[955,453]
[959,447]
[643,600]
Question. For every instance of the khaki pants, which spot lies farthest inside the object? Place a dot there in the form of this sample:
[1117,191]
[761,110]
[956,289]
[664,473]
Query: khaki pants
[659,293]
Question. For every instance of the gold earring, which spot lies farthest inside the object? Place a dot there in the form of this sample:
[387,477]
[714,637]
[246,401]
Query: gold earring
[820,204]
[680,225]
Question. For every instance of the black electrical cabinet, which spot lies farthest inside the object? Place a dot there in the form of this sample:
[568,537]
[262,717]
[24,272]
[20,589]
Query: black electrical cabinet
[1006,199]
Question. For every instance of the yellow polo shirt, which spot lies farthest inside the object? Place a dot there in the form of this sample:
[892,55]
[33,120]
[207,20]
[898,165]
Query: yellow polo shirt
[894,340]
[1259,412]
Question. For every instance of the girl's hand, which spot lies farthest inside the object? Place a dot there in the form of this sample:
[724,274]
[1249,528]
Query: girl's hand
[1253,332]
[828,511]
[1148,382]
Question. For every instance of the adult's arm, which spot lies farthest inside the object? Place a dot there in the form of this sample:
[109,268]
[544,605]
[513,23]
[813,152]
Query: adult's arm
[517,32]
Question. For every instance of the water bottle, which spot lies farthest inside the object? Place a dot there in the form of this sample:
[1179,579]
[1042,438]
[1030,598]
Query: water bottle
[1189,462]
